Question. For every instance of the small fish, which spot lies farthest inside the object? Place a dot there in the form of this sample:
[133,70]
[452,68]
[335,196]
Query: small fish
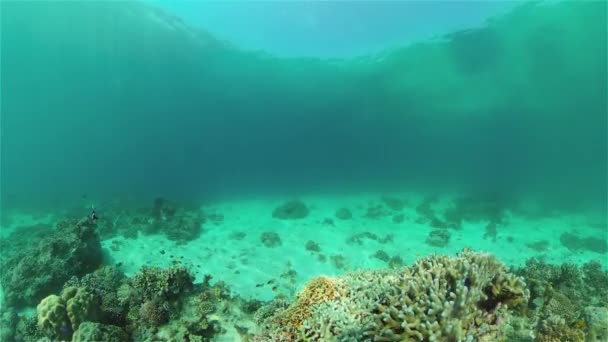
[259,285]
[271,281]
[93,215]
[64,329]
[275,288]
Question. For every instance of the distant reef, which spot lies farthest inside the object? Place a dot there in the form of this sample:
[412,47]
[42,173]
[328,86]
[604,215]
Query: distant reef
[36,261]
[468,297]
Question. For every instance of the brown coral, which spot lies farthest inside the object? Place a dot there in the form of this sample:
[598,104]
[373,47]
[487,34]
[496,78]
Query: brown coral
[318,290]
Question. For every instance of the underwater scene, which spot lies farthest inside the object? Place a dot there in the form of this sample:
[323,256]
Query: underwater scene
[303,171]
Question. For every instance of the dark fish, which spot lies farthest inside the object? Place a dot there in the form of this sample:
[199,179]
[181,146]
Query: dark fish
[93,216]
[65,330]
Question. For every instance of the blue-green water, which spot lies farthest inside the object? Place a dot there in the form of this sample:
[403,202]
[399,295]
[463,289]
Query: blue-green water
[117,98]
[115,104]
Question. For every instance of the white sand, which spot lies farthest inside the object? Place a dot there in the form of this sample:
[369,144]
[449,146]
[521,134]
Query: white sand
[243,264]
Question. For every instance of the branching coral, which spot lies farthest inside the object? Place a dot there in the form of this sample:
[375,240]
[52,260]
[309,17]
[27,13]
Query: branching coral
[89,331]
[450,299]
[562,298]
[439,298]
[154,282]
[154,312]
[103,284]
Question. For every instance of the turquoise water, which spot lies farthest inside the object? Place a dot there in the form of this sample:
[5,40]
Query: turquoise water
[237,150]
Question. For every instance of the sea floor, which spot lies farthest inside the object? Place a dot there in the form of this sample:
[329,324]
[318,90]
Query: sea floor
[233,250]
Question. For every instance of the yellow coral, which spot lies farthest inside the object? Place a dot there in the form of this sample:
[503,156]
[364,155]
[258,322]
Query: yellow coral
[79,305]
[318,290]
[52,317]
[59,316]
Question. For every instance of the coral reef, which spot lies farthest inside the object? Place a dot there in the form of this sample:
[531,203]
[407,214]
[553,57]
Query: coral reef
[154,312]
[375,212]
[395,262]
[80,305]
[284,322]
[312,246]
[185,226]
[180,223]
[437,299]
[472,208]
[539,246]
[491,231]
[103,284]
[344,214]
[381,255]
[238,236]
[154,282]
[328,222]
[154,296]
[33,270]
[291,210]
[89,331]
[469,297]
[476,208]
[215,218]
[596,323]
[157,304]
[8,324]
[567,303]
[53,318]
[426,213]
[576,243]
[553,328]
[27,330]
[339,262]
[270,239]
[438,238]
[60,316]
[359,237]
[394,203]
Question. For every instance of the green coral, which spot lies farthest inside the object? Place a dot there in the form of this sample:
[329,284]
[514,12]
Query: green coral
[192,317]
[554,329]
[155,282]
[59,316]
[566,301]
[451,299]
[155,294]
[89,331]
[154,312]
[53,317]
[596,319]
[103,285]
[79,305]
